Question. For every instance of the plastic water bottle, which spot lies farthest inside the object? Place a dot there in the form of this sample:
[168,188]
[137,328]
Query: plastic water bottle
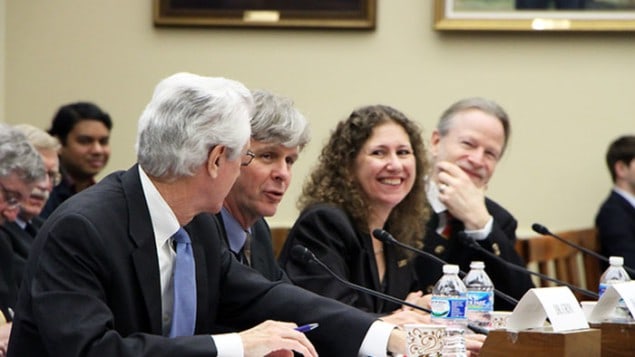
[449,299]
[480,295]
[615,273]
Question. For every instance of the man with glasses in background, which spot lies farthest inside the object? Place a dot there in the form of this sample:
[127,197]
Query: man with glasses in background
[20,169]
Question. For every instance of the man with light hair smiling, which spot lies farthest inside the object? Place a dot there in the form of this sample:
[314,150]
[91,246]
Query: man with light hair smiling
[135,266]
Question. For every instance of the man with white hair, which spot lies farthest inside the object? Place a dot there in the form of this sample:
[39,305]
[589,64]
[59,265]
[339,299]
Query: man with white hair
[20,168]
[135,266]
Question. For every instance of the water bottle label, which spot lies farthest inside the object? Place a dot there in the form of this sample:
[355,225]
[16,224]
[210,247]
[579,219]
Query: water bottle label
[602,289]
[480,301]
[448,307]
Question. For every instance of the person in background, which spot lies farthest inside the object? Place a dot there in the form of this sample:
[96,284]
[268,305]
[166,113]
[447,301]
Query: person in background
[278,134]
[615,220]
[369,175]
[466,146]
[83,129]
[22,222]
[20,169]
[135,266]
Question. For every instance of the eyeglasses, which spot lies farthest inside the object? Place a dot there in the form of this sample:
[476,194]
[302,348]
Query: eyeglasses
[249,158]
[55,177]
[12,198]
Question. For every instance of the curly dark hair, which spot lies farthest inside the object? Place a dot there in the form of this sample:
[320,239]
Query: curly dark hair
[333,180]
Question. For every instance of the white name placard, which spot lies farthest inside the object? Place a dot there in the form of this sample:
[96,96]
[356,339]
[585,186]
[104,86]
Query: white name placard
[605,307]
[556,303]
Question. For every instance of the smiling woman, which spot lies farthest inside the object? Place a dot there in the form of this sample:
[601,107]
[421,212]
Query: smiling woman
[535,15]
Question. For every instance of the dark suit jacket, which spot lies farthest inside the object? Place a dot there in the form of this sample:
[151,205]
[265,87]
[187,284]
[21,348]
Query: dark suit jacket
[262,258]
[500,241]
[92,286]
[615,223]
[16,249]
[330,234]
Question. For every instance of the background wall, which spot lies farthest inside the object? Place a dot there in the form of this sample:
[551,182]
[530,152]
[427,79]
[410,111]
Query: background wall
[568,94]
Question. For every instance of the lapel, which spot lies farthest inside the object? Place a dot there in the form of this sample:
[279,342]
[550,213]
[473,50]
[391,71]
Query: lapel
[20,240]
[144,256]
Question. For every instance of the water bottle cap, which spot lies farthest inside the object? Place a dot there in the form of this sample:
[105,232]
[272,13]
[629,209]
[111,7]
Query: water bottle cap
[477,265]
[450,269]
[616,260]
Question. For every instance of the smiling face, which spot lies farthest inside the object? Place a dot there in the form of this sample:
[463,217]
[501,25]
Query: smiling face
[86,150]
[262,184]
[385,167]
[474,142]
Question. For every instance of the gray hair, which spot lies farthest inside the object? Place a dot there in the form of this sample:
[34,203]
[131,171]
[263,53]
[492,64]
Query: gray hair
[277,120]
[187,116]
[485,105]
[18,156]
[39,138]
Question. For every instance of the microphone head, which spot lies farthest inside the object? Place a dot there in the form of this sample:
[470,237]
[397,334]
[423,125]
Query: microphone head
[383,236]
[301,254]
[539,228]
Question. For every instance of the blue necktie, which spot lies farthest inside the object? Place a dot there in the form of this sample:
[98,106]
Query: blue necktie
[184,312]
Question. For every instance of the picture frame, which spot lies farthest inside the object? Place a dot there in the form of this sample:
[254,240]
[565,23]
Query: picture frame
[473,15]
[326,14]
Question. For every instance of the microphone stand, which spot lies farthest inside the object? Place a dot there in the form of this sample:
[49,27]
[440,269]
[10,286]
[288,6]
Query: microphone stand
[304,255]
[540,229]
[472,244]
[389,239]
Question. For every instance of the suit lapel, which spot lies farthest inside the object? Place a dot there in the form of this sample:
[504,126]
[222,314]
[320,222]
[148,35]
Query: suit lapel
[144,256]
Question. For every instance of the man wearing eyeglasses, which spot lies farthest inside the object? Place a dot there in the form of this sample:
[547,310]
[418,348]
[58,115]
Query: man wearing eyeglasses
[278,133]
[22,222]
[20,168]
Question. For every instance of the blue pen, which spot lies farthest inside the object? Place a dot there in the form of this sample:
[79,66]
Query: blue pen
[306,328]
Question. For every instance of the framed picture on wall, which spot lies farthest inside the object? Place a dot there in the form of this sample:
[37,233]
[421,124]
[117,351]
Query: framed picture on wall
[345,14]
[535,15]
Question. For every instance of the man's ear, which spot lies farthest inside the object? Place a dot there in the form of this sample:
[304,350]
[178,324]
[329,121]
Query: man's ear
[215,159]
[434,143]
[621,169]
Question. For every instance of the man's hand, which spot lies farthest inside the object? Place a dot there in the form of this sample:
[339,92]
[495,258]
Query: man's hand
[274,338]
[461,196]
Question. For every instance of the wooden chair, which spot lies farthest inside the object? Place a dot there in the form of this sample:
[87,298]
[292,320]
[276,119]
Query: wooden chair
[278,237]
[549,256]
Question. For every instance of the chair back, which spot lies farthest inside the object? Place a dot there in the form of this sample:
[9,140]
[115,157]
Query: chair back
[278,237]
[551,257]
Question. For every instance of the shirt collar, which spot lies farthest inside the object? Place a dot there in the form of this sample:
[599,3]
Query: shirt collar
[235,233]
[432,192]
[627,195]
[164,222]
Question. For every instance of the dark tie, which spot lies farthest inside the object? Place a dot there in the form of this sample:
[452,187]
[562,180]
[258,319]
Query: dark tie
[184,312]
[30,230]
[247,249]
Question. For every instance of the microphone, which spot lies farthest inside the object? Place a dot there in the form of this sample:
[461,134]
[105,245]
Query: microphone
[474,245]
[387,238]
[303,255]
[540,229]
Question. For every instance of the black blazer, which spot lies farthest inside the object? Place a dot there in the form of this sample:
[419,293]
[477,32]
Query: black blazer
[501,241]
[615,222]
[330,234]
[262,257]
[92,286]
[15,247]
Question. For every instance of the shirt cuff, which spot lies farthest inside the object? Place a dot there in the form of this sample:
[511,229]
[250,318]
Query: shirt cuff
[229,345]
[481,234]
[376,340]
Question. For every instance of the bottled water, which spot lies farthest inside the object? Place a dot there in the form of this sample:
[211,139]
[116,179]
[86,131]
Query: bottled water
[480,295]
[449,299]
[615,273]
